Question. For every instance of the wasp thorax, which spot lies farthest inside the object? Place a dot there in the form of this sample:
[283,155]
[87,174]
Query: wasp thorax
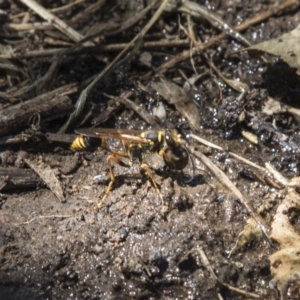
[135,152]
[155,139]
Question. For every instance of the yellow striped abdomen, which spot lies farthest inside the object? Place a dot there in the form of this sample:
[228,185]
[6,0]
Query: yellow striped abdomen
[87,143]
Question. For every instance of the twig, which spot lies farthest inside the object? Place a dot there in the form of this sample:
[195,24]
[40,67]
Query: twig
[141,111]
[117,61]
[281,179]
[214,146]
[53,10]
[208,266]
[234,84]
[62,91]
[97,49]
[57,23]
[16,117]
[56,42]
[200,10]
[133,19]
[28,26]
[186,54]
[16,178]
[43,217]
[88,10]
[221,176]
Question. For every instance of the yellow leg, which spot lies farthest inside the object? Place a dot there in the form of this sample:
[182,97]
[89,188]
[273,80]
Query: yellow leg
[110,158]
[145,167]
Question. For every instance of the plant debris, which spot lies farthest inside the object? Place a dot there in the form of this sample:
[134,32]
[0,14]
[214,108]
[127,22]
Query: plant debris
[285,46]
[230,230]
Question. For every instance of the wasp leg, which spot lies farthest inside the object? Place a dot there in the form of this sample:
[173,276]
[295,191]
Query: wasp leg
[146,168]
[118,161]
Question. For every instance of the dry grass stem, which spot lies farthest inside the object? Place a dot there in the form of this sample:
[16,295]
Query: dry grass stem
[57,23]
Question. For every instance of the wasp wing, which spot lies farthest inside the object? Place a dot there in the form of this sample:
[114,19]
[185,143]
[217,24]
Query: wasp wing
[111,133]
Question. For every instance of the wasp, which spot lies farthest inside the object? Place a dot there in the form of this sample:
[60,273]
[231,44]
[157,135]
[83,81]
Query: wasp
[136,144]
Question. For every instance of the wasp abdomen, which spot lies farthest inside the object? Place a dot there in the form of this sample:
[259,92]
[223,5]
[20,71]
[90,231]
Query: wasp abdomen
[86,142]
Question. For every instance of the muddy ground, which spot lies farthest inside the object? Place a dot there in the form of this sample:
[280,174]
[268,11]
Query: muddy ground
[129,248]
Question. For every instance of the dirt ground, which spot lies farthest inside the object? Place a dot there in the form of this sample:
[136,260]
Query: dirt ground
[130,248]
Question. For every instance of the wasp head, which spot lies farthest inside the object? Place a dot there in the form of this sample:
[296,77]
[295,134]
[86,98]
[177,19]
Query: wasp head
[175,155]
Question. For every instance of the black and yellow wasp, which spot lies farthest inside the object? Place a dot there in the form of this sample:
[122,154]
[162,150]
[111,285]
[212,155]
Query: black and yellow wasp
[137,144]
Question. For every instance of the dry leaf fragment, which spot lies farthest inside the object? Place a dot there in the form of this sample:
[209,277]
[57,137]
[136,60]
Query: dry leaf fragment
[251,232]
[48,176]
[176,95]
[285,263]
[286,46]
